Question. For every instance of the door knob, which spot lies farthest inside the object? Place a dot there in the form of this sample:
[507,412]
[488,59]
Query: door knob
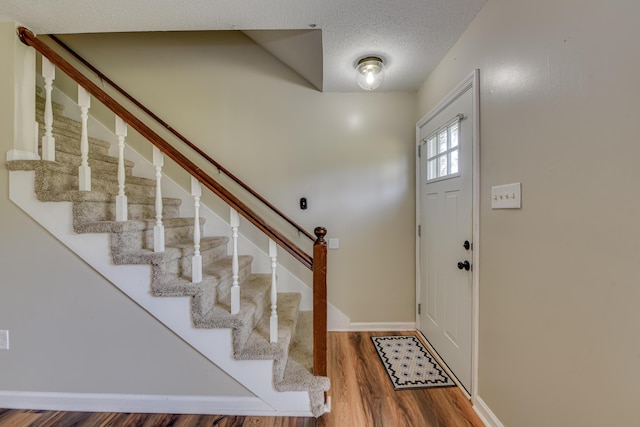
[464,265]
[466,245]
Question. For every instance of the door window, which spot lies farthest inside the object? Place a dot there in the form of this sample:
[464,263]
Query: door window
[443,151]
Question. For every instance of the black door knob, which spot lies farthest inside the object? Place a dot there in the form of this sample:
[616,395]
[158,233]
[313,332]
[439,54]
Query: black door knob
[466,245]
[464,265]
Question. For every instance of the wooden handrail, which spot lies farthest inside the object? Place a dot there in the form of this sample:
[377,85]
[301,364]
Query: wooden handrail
[180,136]
[28,38]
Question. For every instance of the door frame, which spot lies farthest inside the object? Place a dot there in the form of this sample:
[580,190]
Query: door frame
[471,82]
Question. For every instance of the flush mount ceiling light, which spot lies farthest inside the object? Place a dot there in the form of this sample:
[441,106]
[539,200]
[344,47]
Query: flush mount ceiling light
[370,72]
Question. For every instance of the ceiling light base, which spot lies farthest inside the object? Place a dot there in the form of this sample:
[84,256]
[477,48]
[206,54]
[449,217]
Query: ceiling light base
[370,72]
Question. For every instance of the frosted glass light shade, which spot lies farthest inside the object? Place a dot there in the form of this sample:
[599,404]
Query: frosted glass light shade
[370,72]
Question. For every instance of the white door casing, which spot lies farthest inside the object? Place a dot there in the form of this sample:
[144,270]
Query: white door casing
[447,215]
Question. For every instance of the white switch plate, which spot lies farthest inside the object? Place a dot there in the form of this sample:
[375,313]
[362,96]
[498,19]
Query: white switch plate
[334,243]
[4,340]
[506,196]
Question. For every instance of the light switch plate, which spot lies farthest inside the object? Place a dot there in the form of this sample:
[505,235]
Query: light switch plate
[4,340]
[506,196]
[334,243]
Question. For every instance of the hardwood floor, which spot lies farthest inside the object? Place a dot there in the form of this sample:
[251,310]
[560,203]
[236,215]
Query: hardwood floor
[361,393]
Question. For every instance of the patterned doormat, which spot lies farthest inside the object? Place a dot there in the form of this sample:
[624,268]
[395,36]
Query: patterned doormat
[409,364]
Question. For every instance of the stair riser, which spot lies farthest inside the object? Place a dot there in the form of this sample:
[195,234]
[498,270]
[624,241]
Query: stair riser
[224,288]
[64,129]
[131,190]
[57,108]
[182,267]
[202,302]
[240,336]
[71,145]
[106,211]
[104,166]
[130,241]
[171,235]
[62,123]
[208,256]
[59,133]
[59,182]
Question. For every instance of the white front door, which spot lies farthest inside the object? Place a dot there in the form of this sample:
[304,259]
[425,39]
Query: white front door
[446,237]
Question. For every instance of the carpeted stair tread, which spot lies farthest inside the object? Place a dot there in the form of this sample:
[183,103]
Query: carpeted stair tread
[212,249]
[181,287]
[298,372]
[133,225]
[60,167]
[67,137]
[220,269]
[129,180]
[56,177]
[172,222]
[147,256]
[205,243]
[23,165]
[71,144]
[258,346]
[94,160]
[171,252]
[45,165]
[57,108]
[101,182]
[67,127]
[56,167]
[95,207]
[97,196]
[217,315]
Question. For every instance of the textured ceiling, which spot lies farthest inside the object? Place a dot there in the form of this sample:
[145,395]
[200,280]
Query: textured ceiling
[411,36]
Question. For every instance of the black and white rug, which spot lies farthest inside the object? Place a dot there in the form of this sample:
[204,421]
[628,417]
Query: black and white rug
[409,364]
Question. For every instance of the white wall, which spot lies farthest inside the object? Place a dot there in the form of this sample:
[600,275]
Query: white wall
[559,288]
[351,154]
[71,330]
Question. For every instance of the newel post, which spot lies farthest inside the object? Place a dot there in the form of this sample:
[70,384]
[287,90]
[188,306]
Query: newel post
[320,303]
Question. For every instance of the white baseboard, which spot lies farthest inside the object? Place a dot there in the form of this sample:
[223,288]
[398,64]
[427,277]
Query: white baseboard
[378,326]
[485,413]
[104,402]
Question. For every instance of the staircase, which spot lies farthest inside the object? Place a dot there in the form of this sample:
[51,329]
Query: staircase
[131,242]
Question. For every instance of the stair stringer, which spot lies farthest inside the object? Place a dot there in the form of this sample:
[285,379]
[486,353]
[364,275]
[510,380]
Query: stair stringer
[215,225]
[173,312]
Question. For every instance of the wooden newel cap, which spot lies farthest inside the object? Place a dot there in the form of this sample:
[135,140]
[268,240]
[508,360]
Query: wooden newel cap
[320,232]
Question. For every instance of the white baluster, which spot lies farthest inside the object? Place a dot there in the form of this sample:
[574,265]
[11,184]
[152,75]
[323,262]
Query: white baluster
[273,321]
[235,288]
[196,261]
[48,141]
[121,198]
[84,171]
[158,230]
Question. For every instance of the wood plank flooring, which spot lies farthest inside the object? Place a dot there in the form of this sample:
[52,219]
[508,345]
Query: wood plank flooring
[361,393]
